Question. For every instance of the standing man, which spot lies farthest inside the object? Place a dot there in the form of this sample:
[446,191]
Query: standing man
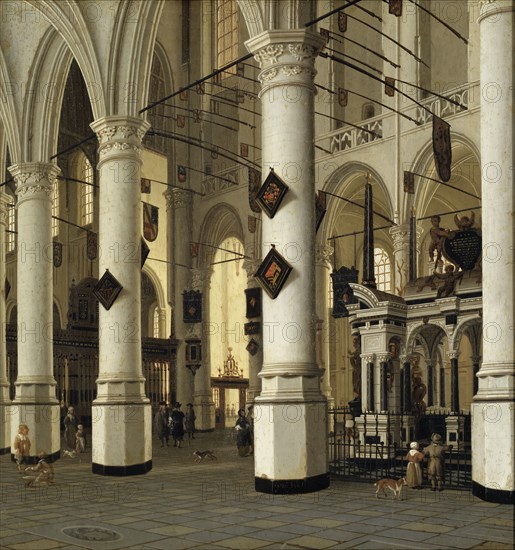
[161,422]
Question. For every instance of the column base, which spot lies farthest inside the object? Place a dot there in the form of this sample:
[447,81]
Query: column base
[493,495]
[5,428]
[493,450]
[290,446]
[132,470]
[121,439]
[292,486]
[205,413]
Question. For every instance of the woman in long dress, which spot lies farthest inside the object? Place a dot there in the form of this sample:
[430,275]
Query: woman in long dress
[414,471]
[70,428]
[242,433]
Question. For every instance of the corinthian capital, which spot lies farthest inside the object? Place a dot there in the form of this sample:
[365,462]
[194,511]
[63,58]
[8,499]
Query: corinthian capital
[118,134]
[286,56]
[323,255]
[34,179]
[177,198]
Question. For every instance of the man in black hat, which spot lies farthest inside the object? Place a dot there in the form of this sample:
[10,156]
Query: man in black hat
[177,425]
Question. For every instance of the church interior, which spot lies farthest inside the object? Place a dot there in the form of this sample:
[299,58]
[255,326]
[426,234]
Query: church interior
[303,206]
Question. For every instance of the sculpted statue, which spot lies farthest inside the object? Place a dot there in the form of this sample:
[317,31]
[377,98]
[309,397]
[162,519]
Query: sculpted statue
[437,235]
[355,361]
[450,278]
[464,223]
[418,388]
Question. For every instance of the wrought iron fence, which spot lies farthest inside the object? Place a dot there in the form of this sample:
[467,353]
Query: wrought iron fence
[374,445]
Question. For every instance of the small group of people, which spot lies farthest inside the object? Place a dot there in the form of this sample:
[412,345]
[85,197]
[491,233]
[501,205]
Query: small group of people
[435,467]
[74,435]
[40,474]
[175,423]
[245,431]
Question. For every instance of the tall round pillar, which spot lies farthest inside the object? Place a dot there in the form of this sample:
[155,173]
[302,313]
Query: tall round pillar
[181,204]
[493,414]
[256,360]
[35,403]
[5,402]
[323,269]
[121,430]
[291,412]
[203,395]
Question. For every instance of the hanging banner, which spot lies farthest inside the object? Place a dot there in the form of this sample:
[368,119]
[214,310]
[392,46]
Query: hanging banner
[183,96]
[320,208]
[145,251]
[193,250]
[181,121]
[145,185]
[395,7]
[409,183]
[254,185]
[57,249]
[150,221]
[181,173]
[442,148]
[92,245]
[192,306]
[389,84]
[342,21]
[343,294]
[244,150]
[343,97]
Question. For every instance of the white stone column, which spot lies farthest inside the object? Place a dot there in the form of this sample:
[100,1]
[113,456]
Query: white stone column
[401,250]
[323,256]
[121,431]
[291,412]
[181,205]
[5,402]
[35,403]
[255,361]
[203,395]
[493,414]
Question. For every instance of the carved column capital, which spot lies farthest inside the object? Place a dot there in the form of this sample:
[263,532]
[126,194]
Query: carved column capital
[323,255]
[119,135]
[368,357]
[34,180]
[490,10]
[177,198]
[384,357]
[200,278]
[286,56]
[401,236]
[453,354]
[5,202]
[251,266]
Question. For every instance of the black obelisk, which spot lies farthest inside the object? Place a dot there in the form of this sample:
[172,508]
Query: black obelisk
[369,278]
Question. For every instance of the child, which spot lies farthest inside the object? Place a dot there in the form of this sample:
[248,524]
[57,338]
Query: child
[80,439]
[22,446]
[43,472]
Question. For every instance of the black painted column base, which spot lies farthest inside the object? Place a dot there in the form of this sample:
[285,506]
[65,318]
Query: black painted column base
[5,451]
[292,486]
[120,471]
[493,495]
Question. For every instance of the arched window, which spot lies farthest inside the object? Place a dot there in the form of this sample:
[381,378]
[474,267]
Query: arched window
[11,227]
[155,330]
[227,33]
[55,208]
[382,270]
[156,116]
[86,193]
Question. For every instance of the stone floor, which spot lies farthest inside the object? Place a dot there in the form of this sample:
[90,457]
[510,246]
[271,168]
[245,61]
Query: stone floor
[180,504]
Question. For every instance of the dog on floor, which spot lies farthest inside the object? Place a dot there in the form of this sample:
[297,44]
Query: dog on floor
[202,455]
[394,485]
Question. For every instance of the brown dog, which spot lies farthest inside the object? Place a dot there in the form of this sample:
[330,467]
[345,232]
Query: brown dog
[201,455]
[395,485]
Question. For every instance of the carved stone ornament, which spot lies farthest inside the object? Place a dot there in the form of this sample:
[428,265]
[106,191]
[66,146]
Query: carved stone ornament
[269,53]
[301,51]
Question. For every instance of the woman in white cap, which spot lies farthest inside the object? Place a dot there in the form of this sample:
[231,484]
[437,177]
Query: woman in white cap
[414,471]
